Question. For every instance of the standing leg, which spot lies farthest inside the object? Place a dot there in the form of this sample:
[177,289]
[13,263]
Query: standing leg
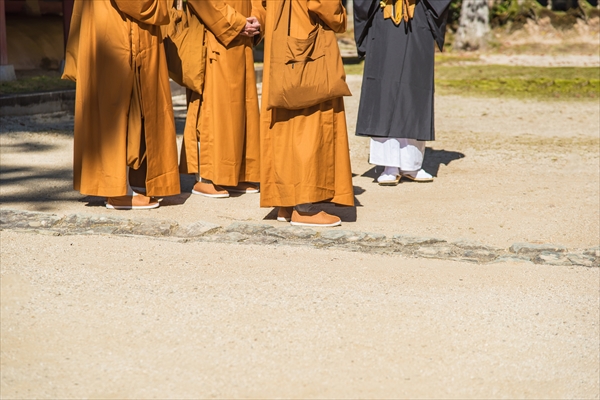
[412,153]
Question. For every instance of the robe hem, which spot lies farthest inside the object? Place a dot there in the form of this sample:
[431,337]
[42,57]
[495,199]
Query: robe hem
[396,137]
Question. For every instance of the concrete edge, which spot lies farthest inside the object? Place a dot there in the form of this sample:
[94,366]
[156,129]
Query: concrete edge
[37,103]
[263,234]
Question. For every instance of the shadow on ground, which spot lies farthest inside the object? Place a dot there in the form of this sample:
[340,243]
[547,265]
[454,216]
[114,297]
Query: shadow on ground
[58,123]
[61,123]
[431,163]
[50,186]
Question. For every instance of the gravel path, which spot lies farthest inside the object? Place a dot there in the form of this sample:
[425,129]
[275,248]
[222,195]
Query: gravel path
[114,318]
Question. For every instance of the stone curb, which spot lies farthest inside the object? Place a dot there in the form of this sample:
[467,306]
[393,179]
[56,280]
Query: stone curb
[37,103]
[242,232]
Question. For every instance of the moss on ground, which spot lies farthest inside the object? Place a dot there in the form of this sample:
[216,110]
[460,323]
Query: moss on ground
[39,83]
[522,82]
[542,83]
[540,88]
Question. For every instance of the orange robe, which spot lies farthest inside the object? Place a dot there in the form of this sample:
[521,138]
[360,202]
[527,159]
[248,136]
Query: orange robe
[123,109]
[304,153]
[225,118]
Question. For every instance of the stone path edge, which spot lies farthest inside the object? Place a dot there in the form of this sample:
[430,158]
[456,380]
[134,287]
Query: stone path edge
[251,233]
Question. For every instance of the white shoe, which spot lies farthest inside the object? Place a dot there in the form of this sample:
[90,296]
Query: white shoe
[418,176]
[389,177]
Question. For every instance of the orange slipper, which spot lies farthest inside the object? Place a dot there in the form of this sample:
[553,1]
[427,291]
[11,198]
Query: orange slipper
[314,219]
[209,190]
[137,202]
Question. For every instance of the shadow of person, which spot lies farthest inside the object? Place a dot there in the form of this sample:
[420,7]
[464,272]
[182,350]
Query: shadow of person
[431,162]
[373,173]
[433,159]
[176,200]
[93,201]
[272,215]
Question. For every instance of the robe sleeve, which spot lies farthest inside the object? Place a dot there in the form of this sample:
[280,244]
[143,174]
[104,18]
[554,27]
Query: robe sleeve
[219,18]
[260,12]
[331,12]
[362,10]
[152,12]
[437,17]
[72,50]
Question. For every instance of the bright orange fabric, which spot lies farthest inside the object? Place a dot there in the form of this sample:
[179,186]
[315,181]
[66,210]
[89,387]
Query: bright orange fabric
[304,153]
[398,10]
[225,119]
[111,45]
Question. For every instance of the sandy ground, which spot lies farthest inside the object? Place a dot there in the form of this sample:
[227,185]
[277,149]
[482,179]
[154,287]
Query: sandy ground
[528,60]
[114,318]
[117,317]
[506,171]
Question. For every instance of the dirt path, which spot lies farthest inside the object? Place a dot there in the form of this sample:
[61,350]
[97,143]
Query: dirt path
[571,60]
[118,317]
[106,317]
[507,171]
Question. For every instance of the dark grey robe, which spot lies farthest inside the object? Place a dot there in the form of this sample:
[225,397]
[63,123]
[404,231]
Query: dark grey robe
[397,90]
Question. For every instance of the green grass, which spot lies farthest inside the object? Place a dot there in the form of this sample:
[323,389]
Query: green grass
[540,88]
[542,83]
[32,84]
[520,82]
[354,69]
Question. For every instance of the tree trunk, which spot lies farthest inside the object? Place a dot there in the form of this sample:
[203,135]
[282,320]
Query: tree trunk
[473,26]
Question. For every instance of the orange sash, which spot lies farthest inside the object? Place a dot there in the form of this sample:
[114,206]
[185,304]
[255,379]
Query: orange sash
[398,10]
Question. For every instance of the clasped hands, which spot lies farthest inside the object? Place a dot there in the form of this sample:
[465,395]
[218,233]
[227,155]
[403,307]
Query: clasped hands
[252,27]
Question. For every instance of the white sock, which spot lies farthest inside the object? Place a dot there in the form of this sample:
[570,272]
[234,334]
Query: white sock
[391,171]
[388,174]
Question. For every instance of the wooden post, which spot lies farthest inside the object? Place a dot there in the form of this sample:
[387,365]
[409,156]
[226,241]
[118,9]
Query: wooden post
[3,49]
[67,14]
[7,72]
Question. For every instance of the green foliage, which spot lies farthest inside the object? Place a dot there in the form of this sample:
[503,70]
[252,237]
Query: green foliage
[35,84]
[588,11]
[454,14]
[504,11]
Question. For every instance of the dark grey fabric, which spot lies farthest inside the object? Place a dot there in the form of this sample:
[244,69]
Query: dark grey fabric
[397,89]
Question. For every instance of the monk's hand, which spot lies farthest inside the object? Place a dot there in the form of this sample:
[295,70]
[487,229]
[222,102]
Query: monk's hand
[252,27]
